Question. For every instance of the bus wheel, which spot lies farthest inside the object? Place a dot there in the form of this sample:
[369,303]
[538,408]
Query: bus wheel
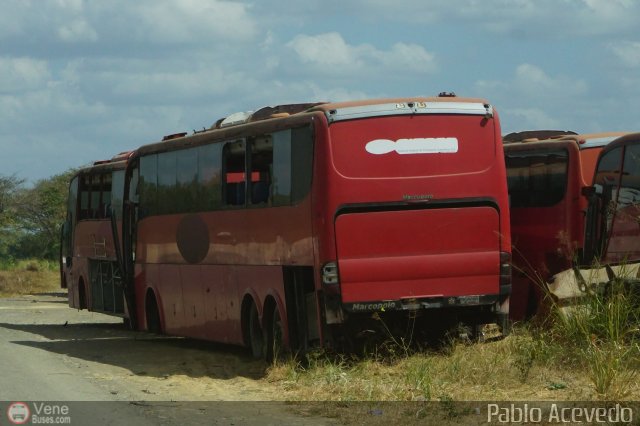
[82,296]
[256,336]
[152,315]
[275,345]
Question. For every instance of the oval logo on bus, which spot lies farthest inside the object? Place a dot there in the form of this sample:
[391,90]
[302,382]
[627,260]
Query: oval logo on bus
[413,146]
[193,238]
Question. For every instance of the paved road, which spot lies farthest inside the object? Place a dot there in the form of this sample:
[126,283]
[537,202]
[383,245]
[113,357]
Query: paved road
[50,352]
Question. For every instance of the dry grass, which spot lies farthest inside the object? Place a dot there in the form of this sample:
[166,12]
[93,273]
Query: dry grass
[29,277]
[525,366]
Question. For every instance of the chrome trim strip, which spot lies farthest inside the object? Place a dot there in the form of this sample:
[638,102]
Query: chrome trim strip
[409,108]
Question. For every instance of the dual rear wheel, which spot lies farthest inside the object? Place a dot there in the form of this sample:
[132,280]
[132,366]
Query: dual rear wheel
[266,342]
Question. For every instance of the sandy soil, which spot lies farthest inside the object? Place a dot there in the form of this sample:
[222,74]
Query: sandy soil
[49,351]
[153,367]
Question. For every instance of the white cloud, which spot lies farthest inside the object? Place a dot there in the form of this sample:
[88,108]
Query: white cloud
[534,99]
[329,52]
[628,52]
[22,74]
[77,31]
[143,21]
[179,21]
[531,18]
[532,82]
[531,118]
[324,50]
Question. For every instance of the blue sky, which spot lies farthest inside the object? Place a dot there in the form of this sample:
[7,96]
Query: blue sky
[84,80]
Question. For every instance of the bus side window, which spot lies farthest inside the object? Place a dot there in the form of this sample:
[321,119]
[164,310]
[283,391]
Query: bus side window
[85,192]
[630,185]
[233,171]
[261,167]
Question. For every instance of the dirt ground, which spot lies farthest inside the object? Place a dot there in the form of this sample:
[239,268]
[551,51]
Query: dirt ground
[153,367]
[50,352]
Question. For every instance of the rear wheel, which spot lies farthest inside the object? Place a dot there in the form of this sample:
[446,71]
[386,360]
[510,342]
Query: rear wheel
[152,315]
[82,296]
[275,342]
[256,336]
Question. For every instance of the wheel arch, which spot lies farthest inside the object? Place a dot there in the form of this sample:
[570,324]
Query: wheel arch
[151,296]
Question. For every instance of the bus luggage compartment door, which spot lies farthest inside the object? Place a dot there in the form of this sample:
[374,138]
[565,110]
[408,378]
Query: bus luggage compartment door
[418,253]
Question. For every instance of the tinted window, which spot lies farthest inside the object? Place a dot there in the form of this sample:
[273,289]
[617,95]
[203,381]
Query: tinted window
[608,171]
[233,161]
[536,178]
[209,175]
[629,193]
[261,169]
[281,186]
[607,178]
[117,193]
[281,167]
[186,181]
[301,162]
[148,186]
[105,197]
[166,182]
[212,176]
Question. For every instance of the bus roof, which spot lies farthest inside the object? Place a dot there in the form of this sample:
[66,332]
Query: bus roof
[117,162]
[339,111]
[235,125]
[328,106]
[584,141]
[629,137]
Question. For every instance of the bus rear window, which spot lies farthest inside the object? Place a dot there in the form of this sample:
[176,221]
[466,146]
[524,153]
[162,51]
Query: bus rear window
[413,146]
[536,178]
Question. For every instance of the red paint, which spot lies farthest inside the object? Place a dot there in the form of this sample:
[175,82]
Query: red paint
[399,225]
[547,239]
[421,255]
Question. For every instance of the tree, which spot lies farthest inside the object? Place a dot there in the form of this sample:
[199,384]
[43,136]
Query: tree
[40,211]
[9,188]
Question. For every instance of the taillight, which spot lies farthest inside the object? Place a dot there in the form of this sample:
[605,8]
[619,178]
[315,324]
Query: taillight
[505,272]
[330,273]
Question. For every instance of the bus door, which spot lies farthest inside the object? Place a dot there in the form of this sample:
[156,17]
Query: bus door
[623,225]
[129,229]
[602,198]
[67,234]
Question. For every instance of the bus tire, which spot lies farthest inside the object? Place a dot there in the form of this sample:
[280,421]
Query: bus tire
[152,314]
[275,336]
[82,295]
[256,335]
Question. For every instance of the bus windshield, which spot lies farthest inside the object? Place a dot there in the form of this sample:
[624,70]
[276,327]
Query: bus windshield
[536,178]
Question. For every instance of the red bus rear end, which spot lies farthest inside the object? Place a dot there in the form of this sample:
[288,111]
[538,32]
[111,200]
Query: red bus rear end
[417,209]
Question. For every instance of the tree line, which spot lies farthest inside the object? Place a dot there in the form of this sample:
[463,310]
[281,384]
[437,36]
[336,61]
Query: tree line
[31,217]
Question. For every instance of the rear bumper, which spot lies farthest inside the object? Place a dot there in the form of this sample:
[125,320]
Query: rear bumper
[423,303]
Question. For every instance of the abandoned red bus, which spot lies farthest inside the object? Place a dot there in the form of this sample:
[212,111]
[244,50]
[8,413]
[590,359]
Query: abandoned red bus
[612,231]
[89,265]
[612,236]
[295,224]
[545,179]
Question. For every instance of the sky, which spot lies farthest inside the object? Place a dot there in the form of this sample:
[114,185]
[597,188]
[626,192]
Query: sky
[83,80]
